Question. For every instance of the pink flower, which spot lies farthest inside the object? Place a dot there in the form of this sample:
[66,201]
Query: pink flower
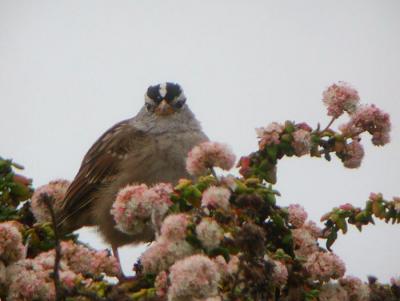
[216,197]
[226,269]
[355,288]
[161,284]
[353,154]
[55,189]
[29,285]
[313,229]
[28,279]
[301,142]
[137,207]
[340,97]
[270,134]
[81,259]
[333,292]
[163,253]
[207,155]
[68,279]
[346,207]
[193,277]
[305,243]
[370,119]
[324,266]
[279,273]
[161,200]
[297,215]
[11,247]
[174,226]
[209,233]
[304,126]
[375,197]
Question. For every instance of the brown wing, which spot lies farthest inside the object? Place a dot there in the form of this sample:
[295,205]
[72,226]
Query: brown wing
[99,166]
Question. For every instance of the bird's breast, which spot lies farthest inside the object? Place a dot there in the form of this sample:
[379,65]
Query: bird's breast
[162,158]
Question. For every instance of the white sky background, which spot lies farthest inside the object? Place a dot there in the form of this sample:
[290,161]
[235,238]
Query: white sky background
[71,69]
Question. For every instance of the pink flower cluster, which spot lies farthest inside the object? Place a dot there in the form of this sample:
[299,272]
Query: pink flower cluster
[163,253]
[279,273]
[161,284]
[11,247]
[333,292]
[305,234]
[207,155]
[348,288]
[216,197]
[227,269]
[30,279]
[346,207]
[369,119]
[324,266]
[137,206]
[353,154]
[313,229]
[320,265]
[270,134]
[209,233]
[81,259]
[55,189]
[305,243]
[297,215]
[340,97]
[193,277]
[355,288]
[301,142]
[174,226]
[169,246]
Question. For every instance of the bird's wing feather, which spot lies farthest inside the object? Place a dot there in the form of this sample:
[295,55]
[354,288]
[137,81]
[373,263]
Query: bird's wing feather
[99,166]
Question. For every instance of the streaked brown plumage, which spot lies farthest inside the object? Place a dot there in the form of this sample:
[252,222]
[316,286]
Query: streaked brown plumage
[148,148]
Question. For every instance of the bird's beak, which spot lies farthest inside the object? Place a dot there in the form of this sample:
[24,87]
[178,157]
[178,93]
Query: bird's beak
[164,109]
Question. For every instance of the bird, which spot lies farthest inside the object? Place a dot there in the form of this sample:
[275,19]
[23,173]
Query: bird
[148,148]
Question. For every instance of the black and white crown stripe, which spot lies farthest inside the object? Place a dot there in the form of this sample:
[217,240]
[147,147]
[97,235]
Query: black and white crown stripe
[167,91]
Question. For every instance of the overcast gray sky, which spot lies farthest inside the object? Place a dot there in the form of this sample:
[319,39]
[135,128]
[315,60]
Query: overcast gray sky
[71,69]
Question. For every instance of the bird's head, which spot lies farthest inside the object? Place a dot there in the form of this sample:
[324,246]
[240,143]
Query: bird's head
[164,99]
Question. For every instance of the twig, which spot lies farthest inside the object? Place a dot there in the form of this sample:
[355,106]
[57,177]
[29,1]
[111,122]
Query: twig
[56,276]
[329,124]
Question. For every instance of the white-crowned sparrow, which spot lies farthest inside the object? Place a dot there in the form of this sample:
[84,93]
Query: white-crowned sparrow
[149,148]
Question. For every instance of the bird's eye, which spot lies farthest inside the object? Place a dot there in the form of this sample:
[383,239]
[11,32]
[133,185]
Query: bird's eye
[179,103]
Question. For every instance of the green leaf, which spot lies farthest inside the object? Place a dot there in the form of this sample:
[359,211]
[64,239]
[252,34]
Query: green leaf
[220,251]
[288,239]
[18,189]
[289,127]
[311,295]
[271,199]
[278,221]
[272,151]
[342,224]
[194,241]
